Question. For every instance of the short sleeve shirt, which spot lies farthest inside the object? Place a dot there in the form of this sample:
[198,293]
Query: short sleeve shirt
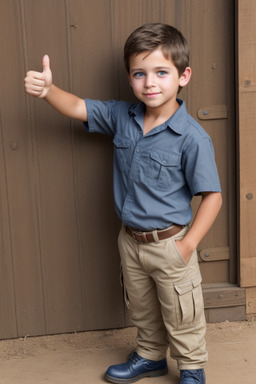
[157,174]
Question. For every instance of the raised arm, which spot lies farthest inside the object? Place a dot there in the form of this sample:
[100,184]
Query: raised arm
[39,84]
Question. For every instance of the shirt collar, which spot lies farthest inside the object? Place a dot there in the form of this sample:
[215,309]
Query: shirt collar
[176,123]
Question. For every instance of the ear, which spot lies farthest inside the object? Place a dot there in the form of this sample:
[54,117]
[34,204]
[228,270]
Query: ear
[185,77]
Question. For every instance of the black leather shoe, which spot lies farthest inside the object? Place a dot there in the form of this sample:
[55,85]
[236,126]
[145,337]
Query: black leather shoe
[135,369]
[192,376]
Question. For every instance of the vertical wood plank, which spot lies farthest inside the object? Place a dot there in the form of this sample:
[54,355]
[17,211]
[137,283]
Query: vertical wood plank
[212,83]
[46,32]
[247,139]
[92,72]
[16,141]
[212,61]
[7,293]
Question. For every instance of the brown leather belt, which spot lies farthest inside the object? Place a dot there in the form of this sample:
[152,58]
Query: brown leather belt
[148,237]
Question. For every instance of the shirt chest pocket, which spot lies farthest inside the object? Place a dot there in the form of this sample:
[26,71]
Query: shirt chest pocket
[121,152]
[163,169]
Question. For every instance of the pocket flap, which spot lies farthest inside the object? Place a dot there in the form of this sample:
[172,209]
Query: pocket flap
[165,158]
[188,285]
[121,142]
[184,287]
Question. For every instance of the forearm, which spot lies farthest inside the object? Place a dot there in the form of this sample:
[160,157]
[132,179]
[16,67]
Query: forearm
[66,103]
[205,217]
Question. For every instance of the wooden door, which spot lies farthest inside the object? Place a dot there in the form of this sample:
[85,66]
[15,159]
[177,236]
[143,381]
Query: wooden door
[59,259]
[211,100]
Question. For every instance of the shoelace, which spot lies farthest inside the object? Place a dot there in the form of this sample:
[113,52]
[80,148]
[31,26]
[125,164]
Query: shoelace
[135,358]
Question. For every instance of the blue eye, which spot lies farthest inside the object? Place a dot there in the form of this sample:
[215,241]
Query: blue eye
[162,73]
[138,74]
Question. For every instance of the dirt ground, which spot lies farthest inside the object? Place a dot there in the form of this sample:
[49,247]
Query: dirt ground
[82,358]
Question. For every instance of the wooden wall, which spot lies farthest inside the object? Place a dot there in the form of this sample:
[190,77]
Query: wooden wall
[58,227]
[59,264]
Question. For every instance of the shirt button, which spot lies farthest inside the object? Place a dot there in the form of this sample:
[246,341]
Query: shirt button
[137,150]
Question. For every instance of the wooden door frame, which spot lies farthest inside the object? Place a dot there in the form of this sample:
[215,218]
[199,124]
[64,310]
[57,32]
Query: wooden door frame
[246,154]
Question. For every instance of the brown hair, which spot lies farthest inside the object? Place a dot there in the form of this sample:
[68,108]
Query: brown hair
[149,37]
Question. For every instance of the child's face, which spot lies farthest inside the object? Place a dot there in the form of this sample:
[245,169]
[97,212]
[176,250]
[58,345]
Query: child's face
[155,80]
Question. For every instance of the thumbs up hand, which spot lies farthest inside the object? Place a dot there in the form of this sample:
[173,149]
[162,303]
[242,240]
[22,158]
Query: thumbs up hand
[38,84]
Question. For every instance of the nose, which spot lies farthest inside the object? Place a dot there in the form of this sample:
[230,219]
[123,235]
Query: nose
[149,81]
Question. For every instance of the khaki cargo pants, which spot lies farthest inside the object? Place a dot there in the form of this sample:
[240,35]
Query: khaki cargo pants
[165,299]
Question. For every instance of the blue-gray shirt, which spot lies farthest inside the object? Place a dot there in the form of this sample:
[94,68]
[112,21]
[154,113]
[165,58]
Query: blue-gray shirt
[156,175]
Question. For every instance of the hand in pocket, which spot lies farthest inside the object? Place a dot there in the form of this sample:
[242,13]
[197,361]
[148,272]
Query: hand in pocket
[184,251]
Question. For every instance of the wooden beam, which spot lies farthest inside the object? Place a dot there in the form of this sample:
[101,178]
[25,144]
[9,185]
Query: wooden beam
[224,295]
[247,139]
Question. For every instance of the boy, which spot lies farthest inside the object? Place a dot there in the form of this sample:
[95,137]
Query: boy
[162,157]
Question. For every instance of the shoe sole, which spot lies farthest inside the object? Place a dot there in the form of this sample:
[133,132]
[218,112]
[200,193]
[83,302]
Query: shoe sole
[115,380]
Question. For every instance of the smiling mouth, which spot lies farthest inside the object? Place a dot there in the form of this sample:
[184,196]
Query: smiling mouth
[149,95]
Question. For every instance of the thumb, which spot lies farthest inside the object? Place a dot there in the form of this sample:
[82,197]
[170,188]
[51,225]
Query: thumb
[46,63]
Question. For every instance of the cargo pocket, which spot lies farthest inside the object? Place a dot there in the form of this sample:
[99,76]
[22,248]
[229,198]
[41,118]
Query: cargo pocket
[189,301]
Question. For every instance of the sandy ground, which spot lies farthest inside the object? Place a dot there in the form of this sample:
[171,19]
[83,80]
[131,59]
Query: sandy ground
[82,358]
